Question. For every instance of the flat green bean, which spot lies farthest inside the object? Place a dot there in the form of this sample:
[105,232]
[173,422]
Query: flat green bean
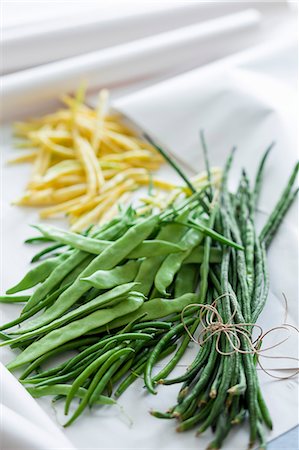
[155,309]
[185,280]
[106,279]
[196,256]
[14,298]
[173,262]
[37,274]
[73,330]
[109,298]
[108,259]
[156,247]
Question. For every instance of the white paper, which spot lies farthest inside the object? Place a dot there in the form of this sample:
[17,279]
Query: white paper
[247,102]
[95,27]
[124,62]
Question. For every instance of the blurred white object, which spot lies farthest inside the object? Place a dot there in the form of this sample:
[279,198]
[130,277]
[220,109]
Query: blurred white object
[23,425]
[123,63]
[95,27]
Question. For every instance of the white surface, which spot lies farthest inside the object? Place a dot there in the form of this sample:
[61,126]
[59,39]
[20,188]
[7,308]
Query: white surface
[35,33]
[122,63]
[23,424]
[97,26]
[248,101]
[119,46]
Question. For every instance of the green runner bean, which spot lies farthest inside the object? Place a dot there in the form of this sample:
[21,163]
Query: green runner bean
[73,330]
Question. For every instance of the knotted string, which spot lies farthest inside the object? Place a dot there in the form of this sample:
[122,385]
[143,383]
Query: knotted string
[213,324]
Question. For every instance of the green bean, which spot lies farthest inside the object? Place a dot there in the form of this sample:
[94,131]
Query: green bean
[135,372]
[64,389]
[204,268]
[86,360]
[73,330]
[46,251]
[223,427]
[122,371]
[76,272]
[207,164]
[259,174]
[90,369]
[24,316]
[175,331]
[84,243]
[14,298]
[105,374]
[106,279]
[52,380]
[54,278]
[271,231]
[110,230]
[95,246]
[66,267]
[155,309]
[108,259]
[138,369]
[200,416]
[173,362]
[149,267]
[37,240]
[47,377]
[98,345]
[156,247]
[251,395]
[261,436]
[240,388]
[46,356]
[4,337]
[161,415]
[37,275]
[109,298]
[248,234]
[146,273]
[173,262]
[196,256]
[213,234]
[217,379]
[129,326]
[179,171]
[264,294]
[152,323]
[193,369]
[94,383]
[251,378]
[201,383]
[264,410]
[217,407]
[280,205]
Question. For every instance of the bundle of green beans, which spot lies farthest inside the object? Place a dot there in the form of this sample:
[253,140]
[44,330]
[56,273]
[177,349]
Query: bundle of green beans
[114,295]
[220,388]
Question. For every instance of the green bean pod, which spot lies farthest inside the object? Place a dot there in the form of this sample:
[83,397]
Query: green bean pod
[64,389]
[107,279]
[74,330]
[38,274]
